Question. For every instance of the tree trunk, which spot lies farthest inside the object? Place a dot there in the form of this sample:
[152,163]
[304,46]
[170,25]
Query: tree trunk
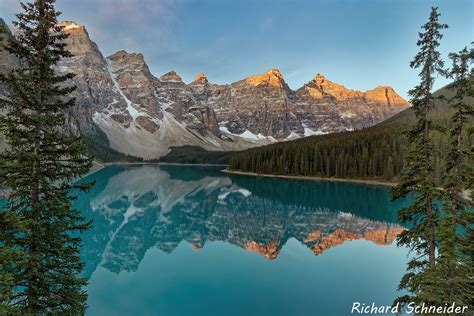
[431,233]
[34,266]
[457,170]
[429,198]
[454,205]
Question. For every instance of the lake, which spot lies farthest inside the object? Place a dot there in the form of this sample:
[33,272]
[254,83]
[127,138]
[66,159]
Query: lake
[191,240]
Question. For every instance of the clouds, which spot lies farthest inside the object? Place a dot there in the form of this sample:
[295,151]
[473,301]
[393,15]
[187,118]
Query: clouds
[114,24]
[135,11]
[360,45]
[123,24]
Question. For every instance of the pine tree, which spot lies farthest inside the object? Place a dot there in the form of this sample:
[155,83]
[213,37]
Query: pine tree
[417,179]
[39,224]
[454,264]
[459,174]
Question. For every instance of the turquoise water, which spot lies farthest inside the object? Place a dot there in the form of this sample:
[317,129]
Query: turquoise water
[182,240]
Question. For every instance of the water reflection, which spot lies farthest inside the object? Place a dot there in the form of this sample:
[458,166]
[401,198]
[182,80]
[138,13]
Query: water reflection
[137,208]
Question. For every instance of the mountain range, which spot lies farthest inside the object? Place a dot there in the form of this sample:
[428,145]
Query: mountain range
[135,113]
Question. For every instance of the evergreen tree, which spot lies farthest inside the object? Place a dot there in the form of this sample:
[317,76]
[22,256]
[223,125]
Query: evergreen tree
[454,264]
[459,174]
[417,179]
[39,225]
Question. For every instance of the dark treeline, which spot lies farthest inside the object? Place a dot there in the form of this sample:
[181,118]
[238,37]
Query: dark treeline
[196,155]
[373,153]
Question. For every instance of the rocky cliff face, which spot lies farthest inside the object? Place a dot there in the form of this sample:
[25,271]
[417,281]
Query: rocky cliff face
[258,107]
[140,114]
[325,107]
[133,79]
[143,115]
[96,92]
[7,61]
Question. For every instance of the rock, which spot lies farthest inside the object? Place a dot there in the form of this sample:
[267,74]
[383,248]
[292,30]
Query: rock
[200,79]
[96,92]
[385,95]
[136,82]
[262,105]
[147,124]
[7,60]
[327,107]
[272,77]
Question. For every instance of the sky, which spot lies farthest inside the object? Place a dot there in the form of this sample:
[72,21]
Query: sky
[358,43]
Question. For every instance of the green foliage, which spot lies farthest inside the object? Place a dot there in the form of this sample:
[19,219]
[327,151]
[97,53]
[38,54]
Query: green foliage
[361,154]
[418,178]
[38,237]
[454,262]
[196,155]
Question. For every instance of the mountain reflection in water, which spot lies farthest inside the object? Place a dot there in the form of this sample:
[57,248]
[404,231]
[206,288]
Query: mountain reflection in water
[139,207]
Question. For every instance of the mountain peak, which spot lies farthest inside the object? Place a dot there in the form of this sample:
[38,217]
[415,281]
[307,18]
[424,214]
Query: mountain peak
[320,86]
[121,52]
[124,54]
[383,88]
[319,77]
[272,77]
[131,62]
[385,94]
[68,26]
[274,72]
[200,79]
[171,76]
[325,86]
[78,41]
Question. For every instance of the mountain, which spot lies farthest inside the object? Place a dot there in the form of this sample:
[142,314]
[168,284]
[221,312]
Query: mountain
[7,62]
[375,152]
[125,111]
[334,108]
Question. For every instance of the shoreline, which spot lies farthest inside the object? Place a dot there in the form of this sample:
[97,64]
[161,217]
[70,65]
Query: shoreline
[193,164]
[307,178]
[125,163]
[97,166]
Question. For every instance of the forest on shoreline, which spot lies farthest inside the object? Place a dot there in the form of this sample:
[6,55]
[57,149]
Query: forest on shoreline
[373,153]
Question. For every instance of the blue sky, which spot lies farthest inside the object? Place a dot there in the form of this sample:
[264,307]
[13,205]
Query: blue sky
[358,43]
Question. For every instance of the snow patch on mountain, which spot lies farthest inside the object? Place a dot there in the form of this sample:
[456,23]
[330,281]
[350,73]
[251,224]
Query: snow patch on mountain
[309,132]
[292,135]
[248,135]
[134,113]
